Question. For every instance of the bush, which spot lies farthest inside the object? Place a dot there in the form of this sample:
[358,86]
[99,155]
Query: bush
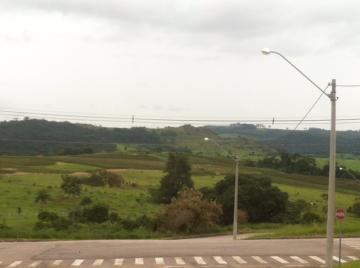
[71,185]
[85,201]
[47,216]
[190,212]
[295,211]
[355,208]
[42,196]
[129,224]
[103,177]
[61,224]
[114,217]
[262,201]
[48,219]
[98,213]
[311,217]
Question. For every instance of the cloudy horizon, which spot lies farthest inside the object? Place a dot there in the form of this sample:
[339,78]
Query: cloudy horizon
[178,59]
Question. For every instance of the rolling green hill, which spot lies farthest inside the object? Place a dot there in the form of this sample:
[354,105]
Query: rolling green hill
[313,141]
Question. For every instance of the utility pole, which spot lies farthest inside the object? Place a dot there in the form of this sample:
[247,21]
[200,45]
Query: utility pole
[332,174]
[236,195]
[236,190]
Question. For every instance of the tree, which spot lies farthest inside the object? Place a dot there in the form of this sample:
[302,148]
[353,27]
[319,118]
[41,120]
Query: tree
[71,185]
[261,201]
[178,176]
[190,212]
[42,196]
[103,177]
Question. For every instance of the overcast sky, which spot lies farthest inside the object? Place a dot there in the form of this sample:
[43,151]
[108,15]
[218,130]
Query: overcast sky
[178,58]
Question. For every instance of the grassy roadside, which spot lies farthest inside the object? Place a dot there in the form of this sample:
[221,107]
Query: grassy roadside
[355,264]
[31,174]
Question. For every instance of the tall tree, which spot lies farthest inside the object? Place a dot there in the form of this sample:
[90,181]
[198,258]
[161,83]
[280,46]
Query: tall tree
[178,176]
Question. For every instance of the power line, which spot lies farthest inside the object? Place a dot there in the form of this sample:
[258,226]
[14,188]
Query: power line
[348,85]
[311,108]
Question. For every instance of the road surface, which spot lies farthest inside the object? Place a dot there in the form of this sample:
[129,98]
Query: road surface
[215,252]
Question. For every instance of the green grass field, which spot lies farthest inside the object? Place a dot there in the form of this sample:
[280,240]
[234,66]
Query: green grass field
[27,175]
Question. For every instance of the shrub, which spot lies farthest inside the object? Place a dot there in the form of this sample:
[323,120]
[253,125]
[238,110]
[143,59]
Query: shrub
[61,224]
[71,185]
[262,201]
[48,219]
[114,217]
[98,213]
[311,217]
[47,216]
[355,208]
[86,201]
[103,177]
[295,211]
[4,227]
[190,212]
[129,224]
[242,216]
[42,196]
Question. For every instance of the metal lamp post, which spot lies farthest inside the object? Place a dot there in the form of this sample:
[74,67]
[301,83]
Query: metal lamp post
[236,192]
[332,164]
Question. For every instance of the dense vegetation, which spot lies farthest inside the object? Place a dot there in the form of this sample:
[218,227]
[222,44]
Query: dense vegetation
[312,141]
[31,136]
[301,164]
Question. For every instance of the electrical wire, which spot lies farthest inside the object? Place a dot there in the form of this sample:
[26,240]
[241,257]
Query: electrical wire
[312,107]
[347,85]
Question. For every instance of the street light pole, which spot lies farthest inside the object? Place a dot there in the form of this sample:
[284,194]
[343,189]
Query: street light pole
[236,190]
[332,160]
[332,173]
[236,196]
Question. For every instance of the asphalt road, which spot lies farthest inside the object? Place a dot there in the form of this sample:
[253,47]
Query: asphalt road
[201,252]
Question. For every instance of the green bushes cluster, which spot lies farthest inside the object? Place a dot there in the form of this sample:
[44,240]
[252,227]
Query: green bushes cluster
[103,178]
[189,212]
[259,201]
[48,219]
[355,208]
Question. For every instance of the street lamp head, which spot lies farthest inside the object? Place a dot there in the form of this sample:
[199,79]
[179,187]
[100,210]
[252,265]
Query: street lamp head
[265,51]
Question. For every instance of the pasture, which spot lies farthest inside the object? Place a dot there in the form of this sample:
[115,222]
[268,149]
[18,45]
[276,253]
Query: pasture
[22,177]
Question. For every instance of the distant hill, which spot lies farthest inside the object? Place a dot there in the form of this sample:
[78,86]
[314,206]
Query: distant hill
[313,141]
[42,137]
[32,136]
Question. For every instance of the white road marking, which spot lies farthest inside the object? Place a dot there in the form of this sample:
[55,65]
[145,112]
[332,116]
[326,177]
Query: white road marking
[139,261]
[353,258]
[278,259]
[316,258]
[179,261]
[15,263]
[118,262]
[77,262]
[219,260]
[298,259]
[160,261]
[239,259]
[57,262]
[336,258]
[200,260]
[35,264]
[259,259]
[98,262]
